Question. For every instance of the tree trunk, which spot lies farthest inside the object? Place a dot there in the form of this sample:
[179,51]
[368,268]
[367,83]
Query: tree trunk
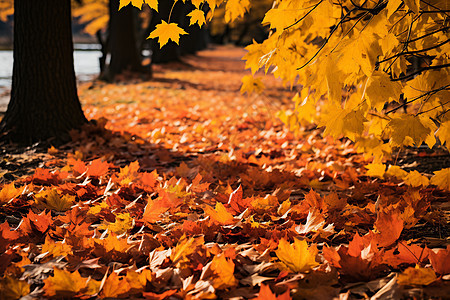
[122,43]
[44,102]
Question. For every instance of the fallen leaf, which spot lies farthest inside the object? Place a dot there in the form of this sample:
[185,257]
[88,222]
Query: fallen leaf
[417,276]
[297,257]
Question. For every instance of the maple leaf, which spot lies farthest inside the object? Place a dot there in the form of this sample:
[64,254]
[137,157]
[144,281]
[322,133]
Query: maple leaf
[123,222]
[138,280]
[396,171]
[9,192]
[417,276]
[251,85]
[52,200]
[184,248]
[97,168]
[411,254]
[128,174]
[114,287]
[56,248]
[441,179]
[167,31]
[253,57]
[265,293]
[380,89]
[236,202]
[153,4]
[40,222]
[7,236]
[415,179]
[223,268]
[408,130]
[113,243]
[13,288]
[197,17]
[281,18]
[297,257]
[136,3]
[375,170]
[219,214]
[78,166]
[64,283]
[440,260]
[443,133]
[154,209]
[235,9]
[390,226]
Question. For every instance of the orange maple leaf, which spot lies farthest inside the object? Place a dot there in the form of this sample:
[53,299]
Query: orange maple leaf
[9,192]
[390,226]
[440,260]
[114,287]
[219,214]
[97,168]
[265,293]
[223,268]
[33,221]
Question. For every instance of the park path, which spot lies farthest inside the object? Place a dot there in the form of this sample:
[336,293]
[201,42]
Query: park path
[195,106]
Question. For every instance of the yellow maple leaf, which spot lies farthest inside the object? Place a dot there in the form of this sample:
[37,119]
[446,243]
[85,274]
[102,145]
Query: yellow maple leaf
[380,89]
[375,170]
[223,268]
[138,280]
[442,179]
[280,19]
[136,3]
[235,9]
[184,248]
[9,192]
[122,224]
[114,287]
[415,179]
[167,31]
[153,4]
[52,200]
[64,283]
[444,133]
[407,129]
[396,171]
[251,85]
[197,16]
[219,214]
[253,57]
[417,276]
[197,3]
[297,257]
[56,248]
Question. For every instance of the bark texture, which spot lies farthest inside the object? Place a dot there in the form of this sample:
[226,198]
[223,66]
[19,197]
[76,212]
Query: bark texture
[44,102]
[123,50]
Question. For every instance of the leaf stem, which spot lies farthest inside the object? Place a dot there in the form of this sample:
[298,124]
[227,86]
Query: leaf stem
[170,13]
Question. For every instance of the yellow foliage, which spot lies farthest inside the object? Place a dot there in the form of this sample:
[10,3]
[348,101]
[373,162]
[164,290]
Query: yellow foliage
[167,31]
[297,257]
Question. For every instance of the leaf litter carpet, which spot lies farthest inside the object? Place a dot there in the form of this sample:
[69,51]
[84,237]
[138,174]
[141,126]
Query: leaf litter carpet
[182,188]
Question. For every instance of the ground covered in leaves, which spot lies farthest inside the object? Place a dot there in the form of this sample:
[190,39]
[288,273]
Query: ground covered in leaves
[184,188]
